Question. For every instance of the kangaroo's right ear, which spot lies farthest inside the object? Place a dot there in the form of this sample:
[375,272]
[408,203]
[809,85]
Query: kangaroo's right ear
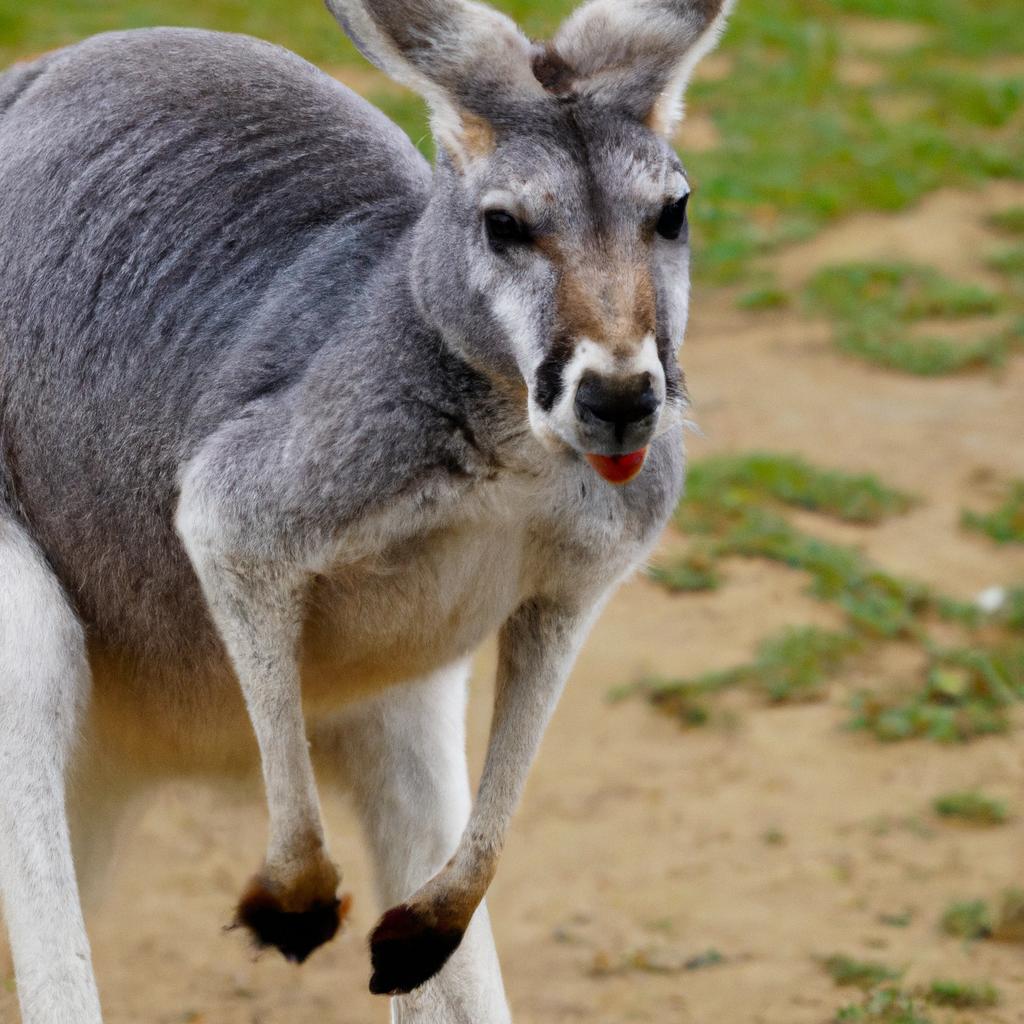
[463,58]
[636,54]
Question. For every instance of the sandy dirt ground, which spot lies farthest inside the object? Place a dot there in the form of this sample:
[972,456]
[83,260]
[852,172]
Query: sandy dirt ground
[774,841]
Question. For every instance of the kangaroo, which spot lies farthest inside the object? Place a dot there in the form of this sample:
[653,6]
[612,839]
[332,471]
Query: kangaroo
[290,422]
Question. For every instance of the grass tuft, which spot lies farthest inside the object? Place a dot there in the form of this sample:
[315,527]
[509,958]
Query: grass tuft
[789,667]
[963,995]
[735,504]
[972,807]
[845,970]
[764,298]
[1005,525]
[968,919]
[967,693]
[884,1006]
[1008,261]
[874,305]
[1010,221]
[1012,612]
[734,481]
[693,573]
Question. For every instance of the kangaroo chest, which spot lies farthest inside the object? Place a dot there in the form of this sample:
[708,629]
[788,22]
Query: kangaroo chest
[414,609]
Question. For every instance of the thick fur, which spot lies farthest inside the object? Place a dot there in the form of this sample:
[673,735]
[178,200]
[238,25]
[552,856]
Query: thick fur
[275,455]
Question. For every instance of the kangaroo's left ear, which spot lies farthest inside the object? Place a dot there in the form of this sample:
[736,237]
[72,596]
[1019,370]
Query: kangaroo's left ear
[637,55]
[468,61]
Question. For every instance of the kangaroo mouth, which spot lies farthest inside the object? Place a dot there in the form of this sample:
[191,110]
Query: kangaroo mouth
[619,469]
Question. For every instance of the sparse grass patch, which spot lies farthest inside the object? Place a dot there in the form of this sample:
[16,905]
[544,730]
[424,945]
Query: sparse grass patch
[1010,222]
[1010,920]
[735,504]
[693,572]
[924,357]
[845,970]
[901,920]
[884,1006]
[1005,525]
[654,960]
[975,919]
[732,481]
[963,995]
[789,667]
[764,298]
[793,665]
[968,919]
[1008,261]
[839,153]
[1012,612]
[874,305]
[967,693]
[971,806]
[904,291]
[961,98]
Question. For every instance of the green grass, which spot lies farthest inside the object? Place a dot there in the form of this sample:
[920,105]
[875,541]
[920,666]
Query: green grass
[1008,261]
[874,307]
[904,291]
[968,919]
[1012,612]
[884,1006]
[694,572]
[845,970]
[839,151]
[963,995]
[1005,524]
[736,506]
[765,297]
[731,481]
[971,806]
[789,667]
[968,692]
[1009,221]
[975,919]
[1010,920]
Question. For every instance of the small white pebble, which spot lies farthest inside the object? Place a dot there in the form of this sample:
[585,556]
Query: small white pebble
[991,600]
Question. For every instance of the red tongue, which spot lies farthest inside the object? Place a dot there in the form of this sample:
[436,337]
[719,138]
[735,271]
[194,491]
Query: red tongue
[619,469]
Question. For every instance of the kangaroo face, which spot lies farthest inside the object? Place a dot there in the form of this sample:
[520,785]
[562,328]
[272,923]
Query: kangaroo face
[555,247]
[582,259]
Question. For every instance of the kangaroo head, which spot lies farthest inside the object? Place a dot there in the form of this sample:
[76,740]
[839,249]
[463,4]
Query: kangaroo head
[555,246]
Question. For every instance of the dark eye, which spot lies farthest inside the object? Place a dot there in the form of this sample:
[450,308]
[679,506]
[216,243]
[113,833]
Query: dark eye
[503,229]
[672,219]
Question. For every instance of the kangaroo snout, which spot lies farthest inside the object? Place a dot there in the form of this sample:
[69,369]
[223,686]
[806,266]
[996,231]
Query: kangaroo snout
[616,415]
[617,407]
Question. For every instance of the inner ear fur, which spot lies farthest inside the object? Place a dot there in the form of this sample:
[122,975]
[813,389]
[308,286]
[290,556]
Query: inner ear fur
[637,56]
[464,58]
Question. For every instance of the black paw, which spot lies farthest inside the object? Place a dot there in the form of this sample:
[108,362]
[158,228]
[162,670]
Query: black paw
[295,933]
[407,951]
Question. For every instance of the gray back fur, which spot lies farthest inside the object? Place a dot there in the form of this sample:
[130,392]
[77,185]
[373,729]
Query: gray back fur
[187,218]
[203,234]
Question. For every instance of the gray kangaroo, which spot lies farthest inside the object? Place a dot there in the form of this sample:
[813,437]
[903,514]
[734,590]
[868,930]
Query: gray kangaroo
[291,422]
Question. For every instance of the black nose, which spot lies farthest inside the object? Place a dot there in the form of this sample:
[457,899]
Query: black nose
[619,403]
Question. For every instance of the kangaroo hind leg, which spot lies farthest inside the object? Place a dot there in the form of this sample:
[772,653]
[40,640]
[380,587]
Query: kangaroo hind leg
[44,684]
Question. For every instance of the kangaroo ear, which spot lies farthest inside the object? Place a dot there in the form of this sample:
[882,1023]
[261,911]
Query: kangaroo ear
[638,55]
[465,59]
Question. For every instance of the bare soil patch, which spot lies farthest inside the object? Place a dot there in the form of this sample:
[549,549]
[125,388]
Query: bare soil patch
[884,35]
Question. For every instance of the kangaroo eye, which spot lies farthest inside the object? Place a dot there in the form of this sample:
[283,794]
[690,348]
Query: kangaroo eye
[503,229]
[672,219]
